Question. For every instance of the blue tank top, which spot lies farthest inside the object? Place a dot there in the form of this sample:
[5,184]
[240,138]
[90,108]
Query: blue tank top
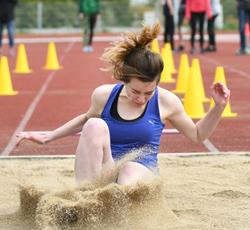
[142,134]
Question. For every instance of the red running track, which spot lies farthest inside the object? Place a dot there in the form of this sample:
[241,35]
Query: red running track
[47,99]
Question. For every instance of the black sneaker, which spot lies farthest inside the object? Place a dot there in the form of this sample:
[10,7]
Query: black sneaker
[192,51]
[202,50]
[240,52]
[210,49]
[181,48]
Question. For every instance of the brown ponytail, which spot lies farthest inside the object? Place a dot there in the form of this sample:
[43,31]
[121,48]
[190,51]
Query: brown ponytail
[132,57]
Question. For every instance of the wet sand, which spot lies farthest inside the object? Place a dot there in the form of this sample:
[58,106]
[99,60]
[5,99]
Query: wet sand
[192,192]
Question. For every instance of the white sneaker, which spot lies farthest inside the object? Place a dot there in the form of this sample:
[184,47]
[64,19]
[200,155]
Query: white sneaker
[85,49]
[91,49]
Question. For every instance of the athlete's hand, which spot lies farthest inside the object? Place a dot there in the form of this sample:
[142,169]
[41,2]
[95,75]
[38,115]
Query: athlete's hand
[220,94]
[36,137]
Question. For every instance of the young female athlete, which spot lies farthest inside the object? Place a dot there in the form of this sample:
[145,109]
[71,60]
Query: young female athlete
[131,114]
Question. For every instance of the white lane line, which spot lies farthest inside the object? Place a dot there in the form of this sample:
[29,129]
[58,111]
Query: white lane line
[226,38]
[208,144]
[11,145]
[160,155]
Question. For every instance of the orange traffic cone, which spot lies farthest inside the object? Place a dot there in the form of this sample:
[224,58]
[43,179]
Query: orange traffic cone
[166,76]
[21,61]
[6,88]
[183,73]
[220,77]
[52,60]
[193,104]
[199,80]
[155,46]
[170,58]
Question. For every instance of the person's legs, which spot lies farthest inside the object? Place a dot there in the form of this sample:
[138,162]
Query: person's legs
[11,31]
[211,34]
[209,30]
[201,19]
[242,21]
[86,32]
[166,30]
[213,41]
[1,36]
[171,31]
[181,15]
[93,151]
[133,172]
[92,23]
[193,30]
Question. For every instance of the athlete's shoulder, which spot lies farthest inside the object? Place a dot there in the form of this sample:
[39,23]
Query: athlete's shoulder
[99,98]
[166,94]
[103,90]
[101,93]
[169,100]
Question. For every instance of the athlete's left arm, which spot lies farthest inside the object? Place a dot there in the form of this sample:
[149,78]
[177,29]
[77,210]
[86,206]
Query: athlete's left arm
[220,94]
[201,130]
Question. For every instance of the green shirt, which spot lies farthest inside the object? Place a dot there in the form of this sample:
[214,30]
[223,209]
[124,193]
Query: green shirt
[89,6]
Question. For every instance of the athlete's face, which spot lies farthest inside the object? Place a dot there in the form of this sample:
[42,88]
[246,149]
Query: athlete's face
[139,92]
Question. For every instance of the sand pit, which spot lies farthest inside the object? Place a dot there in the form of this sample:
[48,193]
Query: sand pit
[193,192]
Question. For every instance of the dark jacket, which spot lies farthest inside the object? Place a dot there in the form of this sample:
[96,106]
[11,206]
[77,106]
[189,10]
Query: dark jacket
[7,8]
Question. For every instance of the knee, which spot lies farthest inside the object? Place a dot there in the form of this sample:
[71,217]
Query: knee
[132,172]
[95,127]
[127,170]
[126,174]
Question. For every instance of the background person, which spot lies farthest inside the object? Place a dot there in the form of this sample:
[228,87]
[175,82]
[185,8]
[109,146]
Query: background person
[168,12]
[88,13]
[131,114]
[243,11]
[7,15]
[181,16]
[196,10]
[215,10]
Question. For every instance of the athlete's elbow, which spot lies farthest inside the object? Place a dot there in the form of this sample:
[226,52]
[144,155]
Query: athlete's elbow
[200,138]
[197,137]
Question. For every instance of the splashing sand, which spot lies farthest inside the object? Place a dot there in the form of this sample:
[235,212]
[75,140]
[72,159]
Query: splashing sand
[100,205]
[191,193]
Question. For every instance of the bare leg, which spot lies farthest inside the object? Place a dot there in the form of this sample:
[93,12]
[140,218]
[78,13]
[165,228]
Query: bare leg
[133,172]
[93,150]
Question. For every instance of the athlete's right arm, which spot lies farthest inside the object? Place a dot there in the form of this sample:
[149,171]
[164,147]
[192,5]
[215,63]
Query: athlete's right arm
[98,100]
